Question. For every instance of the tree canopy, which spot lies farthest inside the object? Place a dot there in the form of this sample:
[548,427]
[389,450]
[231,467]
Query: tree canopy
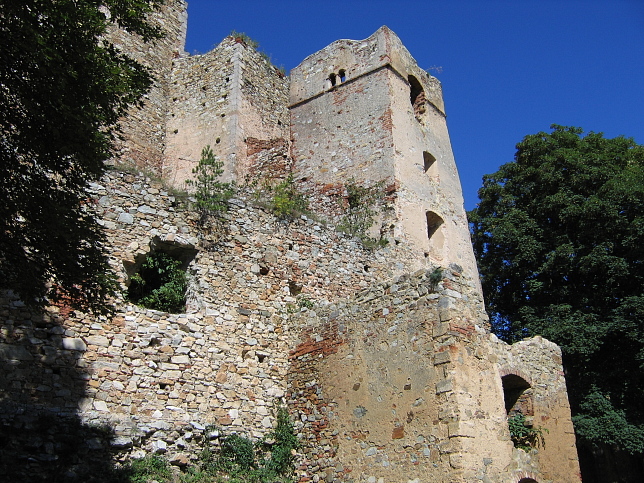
[558,238]
[63,88]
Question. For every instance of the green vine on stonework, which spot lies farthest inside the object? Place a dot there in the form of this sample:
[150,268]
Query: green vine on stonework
[361,211]
[523,436]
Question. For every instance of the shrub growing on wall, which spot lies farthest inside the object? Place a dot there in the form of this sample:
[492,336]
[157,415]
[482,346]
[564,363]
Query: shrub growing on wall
[160,284]
[211,193]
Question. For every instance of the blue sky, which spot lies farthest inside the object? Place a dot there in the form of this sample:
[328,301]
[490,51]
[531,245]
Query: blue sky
[508,68]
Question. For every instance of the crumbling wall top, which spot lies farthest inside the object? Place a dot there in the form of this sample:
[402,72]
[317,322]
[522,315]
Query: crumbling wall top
[344,60]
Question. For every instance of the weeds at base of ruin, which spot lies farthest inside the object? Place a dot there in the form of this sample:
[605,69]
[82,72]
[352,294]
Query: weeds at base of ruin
[237,459]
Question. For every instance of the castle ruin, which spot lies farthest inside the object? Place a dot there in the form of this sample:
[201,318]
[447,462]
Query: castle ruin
[389,371]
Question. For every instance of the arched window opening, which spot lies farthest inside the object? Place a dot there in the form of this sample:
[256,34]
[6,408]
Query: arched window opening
[417,97]
[333,79]
[158,279]
[342,74]
[428,162]
[518,396]
[517,393]
[527,480]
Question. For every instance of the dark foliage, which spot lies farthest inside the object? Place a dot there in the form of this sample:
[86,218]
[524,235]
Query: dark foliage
[63,88]
[558,237]
[160,284]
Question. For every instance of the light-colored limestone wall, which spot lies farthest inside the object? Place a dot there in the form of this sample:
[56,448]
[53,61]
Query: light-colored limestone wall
[538,361]
[372,385]
[156,376]
[386,377]
[263,112]
[144,129]
[199,111]
[221,99]
[402,382]
[438,190]
[366,128]
[345,133]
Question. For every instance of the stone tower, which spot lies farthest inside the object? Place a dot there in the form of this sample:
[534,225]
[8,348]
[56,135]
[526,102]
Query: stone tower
[406,386]
[365,110]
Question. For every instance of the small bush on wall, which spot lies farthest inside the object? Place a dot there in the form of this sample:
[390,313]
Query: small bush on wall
[211,193]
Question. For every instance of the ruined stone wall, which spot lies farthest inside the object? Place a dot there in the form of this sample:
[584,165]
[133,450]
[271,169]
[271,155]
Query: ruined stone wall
[263,113]
[383,357]
[426,175]
[345,133]
[365,374]
[538,361]
[384,379]
[222,99]
[224,361]
[344,130]
[144,129]
[199,111]
[402,382]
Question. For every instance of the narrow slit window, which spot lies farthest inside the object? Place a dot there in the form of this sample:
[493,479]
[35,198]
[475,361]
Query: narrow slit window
[428,161]
[343,76]
[333,79]
[434,222]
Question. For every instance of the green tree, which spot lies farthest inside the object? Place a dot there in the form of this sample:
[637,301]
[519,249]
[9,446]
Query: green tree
[211,193]
[63,88]
[558,238]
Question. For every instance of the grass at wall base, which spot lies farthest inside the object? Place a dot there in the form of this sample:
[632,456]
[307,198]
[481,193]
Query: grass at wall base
[234,459]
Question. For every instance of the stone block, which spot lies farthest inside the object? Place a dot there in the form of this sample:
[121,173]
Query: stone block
[440,329]
[445,385]
[180,359]
[445,314]
[463,429]
[97,340]
[10,352]
[442,357]
[74,344]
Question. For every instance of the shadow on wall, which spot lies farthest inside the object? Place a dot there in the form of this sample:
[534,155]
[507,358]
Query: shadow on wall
[42,382]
